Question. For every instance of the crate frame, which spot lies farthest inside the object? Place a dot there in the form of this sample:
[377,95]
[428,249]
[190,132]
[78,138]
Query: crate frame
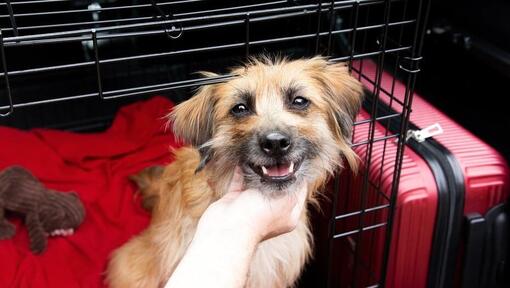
[161,21]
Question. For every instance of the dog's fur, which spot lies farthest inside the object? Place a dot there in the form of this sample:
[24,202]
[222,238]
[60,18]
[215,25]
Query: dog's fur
[320,135]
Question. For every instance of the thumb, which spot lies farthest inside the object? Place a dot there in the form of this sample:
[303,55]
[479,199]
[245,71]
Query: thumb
[301,194]
[237,182]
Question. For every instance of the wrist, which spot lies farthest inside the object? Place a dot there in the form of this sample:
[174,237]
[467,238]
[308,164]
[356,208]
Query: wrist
[214,251]
[236,236]
[230,226]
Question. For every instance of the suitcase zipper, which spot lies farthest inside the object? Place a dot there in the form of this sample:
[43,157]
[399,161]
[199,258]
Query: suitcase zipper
[450,186]
[425,133]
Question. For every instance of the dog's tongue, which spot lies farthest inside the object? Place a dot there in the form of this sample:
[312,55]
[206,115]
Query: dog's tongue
[278,170]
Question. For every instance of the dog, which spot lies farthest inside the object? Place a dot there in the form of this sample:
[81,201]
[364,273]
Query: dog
[282,122]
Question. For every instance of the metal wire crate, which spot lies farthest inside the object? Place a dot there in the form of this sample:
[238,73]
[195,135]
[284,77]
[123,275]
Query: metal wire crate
[70,64]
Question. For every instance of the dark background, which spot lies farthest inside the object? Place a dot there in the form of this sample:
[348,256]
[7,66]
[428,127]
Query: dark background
[466,66]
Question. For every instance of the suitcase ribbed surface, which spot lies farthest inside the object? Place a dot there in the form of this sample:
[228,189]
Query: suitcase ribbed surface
[485,170]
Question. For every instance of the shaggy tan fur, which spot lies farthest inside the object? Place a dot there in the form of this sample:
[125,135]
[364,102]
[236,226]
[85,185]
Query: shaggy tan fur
[147,181]
[206,121]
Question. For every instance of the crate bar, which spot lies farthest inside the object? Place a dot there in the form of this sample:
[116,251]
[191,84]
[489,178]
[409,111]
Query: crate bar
[363,263]
[375,140]
[35,2]
[379,118]
[147,17]
[318,34]
[332,228]
[247,34]
[168,86]
[7,84]
[387,10]
[203,49]
[354,25]
[332,15]
[207,81]
[102,9]
[372,209]
[11,17]
[386,92]
[183,20]
[364,41]
[115,8]
[143,90]
[397,64]
[416,51]
[196,82]
[98,65]
[354,34]
[376,187]
[341,4]
[303,12]
[231,8]
[368,54]
[182,84]
[392,99]
[356,231]
[195,28]
[118,20]
[62,25]
[152,32]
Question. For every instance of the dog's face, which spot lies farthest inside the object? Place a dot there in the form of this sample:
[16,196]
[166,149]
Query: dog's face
[280,121]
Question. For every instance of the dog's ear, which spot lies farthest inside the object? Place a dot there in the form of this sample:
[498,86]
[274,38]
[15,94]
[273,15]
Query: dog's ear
[193,120]
[344,95]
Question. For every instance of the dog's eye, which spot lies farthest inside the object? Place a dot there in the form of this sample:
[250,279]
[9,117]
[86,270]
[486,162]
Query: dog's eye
[300,102]
[240,109]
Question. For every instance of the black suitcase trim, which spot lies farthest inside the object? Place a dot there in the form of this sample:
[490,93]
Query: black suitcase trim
[487,253]
[451,190]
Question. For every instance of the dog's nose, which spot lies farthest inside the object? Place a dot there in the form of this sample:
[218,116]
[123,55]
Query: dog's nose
[275,143]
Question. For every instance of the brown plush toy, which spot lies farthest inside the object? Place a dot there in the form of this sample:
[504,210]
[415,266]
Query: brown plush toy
[46,212]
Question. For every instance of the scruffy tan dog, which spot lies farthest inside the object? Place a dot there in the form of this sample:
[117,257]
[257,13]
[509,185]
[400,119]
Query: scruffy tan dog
[282,122]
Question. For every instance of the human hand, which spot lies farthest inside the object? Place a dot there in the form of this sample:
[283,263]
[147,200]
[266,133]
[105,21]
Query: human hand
[250,212]
[229,231]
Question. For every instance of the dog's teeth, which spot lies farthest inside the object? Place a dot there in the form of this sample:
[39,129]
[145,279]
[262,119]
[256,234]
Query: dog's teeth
[264,170]
[291,167]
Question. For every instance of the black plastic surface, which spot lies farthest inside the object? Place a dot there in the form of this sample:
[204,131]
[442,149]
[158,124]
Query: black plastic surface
[473,252]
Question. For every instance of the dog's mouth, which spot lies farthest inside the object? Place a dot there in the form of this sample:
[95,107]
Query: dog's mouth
[281,172]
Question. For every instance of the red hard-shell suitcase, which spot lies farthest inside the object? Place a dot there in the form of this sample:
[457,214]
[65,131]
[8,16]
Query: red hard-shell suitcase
[450,224]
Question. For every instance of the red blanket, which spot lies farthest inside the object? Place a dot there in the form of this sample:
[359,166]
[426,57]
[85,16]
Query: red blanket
[96,166]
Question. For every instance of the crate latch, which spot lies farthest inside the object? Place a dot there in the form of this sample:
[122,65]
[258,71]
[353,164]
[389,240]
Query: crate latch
[174,31]
[410,64]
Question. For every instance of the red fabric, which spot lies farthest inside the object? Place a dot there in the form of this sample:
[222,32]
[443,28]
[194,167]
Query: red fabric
[96,166]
